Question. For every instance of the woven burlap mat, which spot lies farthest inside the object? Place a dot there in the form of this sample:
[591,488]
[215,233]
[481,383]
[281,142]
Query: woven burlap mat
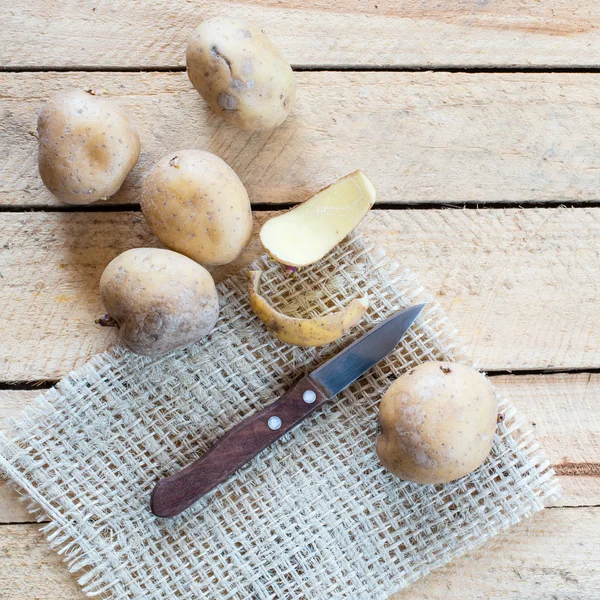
[314,516]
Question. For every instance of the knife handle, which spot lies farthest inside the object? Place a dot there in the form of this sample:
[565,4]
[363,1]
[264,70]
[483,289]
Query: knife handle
[243,442]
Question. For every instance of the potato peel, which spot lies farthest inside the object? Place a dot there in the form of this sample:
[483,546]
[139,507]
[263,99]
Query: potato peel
[307,333]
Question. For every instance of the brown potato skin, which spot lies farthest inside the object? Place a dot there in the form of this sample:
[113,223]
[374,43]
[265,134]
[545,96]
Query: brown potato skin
[87,145]
[162,300]
[240,73]
[438,422]
[195,204]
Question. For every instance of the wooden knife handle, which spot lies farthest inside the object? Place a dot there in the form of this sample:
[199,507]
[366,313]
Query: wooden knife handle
[174,494]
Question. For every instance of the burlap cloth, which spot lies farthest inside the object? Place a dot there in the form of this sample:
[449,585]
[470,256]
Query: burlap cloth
[314,516]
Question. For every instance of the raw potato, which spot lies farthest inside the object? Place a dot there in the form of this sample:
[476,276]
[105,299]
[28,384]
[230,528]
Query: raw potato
[87,146]
[304,332]
[305,234]
[438,423]
[240,73]
[161,300]
[195,204]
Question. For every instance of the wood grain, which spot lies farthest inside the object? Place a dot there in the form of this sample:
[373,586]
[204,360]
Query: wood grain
[564,414]
[310,33]
[521,285]
[554,556]
[561,409]
[421,137]
[30,570]
[515,565]
[12,509]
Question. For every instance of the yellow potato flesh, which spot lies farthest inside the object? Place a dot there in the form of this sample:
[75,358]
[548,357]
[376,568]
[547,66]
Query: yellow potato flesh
[305,234]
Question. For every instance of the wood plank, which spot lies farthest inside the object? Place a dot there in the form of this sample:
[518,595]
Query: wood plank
[309,32]
[12,509]
[29,569]
[521,285]
[12,402]
[564,413]
[421,137]
[553,555]
[561,409]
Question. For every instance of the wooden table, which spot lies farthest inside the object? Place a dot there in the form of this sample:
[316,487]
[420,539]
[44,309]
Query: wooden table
[479,123]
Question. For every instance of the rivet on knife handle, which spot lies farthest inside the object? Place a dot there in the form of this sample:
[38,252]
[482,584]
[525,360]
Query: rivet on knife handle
[240,444]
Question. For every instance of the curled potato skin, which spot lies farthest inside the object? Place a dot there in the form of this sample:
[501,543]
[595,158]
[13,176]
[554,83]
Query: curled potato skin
[438,423]
[161,300]
[240,73]
[195,204]
[307,333]
[87,145]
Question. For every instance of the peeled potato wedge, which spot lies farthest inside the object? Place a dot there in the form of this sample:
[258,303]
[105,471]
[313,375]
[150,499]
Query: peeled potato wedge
[304,332]
[305,234]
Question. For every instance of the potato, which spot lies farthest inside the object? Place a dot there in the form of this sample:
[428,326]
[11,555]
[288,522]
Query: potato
[161,300]
[240,73]
[196,204]
[306,233]
[437,423]
[87,146]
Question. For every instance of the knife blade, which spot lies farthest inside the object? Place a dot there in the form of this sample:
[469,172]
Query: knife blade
[173,494]
[349,364]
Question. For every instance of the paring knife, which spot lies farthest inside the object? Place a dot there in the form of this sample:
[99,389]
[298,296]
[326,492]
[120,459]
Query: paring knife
[243,442]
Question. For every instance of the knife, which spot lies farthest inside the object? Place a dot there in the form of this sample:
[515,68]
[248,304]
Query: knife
[175,493]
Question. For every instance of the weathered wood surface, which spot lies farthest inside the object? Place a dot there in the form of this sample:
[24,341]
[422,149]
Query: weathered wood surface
[562,410]
[553,555]
[76,33]
[521,285]
[12,509]
[564,413]
[421,137]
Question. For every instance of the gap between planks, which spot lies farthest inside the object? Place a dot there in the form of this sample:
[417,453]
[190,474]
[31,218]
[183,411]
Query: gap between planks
[327,68]
[257,207]
[46,384]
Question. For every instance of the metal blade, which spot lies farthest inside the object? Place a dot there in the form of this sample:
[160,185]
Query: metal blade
[347,366]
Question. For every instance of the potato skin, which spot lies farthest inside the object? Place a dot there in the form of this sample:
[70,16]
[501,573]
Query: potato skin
[161,300]
[195,204]
[438,423]
[87,146]
[240,73]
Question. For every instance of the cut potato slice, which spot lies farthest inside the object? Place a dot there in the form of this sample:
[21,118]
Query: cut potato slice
[305,234]
[304,332]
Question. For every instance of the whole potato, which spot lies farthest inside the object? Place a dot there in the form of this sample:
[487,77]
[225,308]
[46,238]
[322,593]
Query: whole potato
[196,204]
[161,300]
[438,423]
[240,73]
[87,146]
